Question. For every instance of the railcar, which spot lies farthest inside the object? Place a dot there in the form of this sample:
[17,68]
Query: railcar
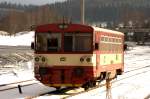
[75,55]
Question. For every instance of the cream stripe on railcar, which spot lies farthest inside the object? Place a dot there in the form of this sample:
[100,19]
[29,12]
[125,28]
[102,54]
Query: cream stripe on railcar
[107,59]
[68,59]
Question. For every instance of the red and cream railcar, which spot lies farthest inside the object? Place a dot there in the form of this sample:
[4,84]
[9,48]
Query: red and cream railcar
[75,55]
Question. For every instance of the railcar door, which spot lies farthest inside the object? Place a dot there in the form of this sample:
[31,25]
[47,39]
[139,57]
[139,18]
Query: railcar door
[68,43]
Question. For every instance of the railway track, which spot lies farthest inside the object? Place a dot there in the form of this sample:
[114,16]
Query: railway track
[14,85]
[137,69]
[15,49]
[70,92]
[117,80]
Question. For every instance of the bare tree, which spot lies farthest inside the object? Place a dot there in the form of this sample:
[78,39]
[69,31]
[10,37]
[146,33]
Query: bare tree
[18,21]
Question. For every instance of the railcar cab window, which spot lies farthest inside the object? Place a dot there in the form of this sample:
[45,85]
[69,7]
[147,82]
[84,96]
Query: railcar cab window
[77,42]
[50,42]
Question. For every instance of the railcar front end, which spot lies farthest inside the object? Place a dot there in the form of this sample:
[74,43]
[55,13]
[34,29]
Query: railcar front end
[64,55]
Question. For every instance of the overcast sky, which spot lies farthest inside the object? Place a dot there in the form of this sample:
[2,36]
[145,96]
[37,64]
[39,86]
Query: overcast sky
[35,2]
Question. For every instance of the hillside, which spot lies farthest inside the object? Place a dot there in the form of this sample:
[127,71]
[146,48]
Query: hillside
[20,18]
[111,11]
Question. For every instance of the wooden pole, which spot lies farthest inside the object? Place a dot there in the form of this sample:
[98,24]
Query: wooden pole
[108,89]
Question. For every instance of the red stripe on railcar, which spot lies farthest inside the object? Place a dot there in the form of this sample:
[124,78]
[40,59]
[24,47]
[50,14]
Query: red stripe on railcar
[67,75]
[71,28]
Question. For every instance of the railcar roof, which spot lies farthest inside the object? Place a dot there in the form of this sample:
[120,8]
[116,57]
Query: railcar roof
[107,30]
[84,27]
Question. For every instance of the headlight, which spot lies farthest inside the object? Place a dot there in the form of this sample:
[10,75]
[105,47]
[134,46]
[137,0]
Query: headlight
[43,59]
[81,59]
[88,59]
[37,59]
[40,59]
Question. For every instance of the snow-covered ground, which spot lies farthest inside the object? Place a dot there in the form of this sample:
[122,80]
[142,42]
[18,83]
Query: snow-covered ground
[22,38]
[133,87]
[136,87]
[15,51]
[17,75]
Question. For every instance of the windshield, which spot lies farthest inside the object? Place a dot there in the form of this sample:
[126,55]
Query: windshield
[72,42]
[77,41]
[48,42]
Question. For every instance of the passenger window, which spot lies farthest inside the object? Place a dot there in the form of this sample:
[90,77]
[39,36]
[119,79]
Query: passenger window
[102,38]
[106,39]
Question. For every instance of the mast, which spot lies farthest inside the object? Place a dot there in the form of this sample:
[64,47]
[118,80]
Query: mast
[82,11]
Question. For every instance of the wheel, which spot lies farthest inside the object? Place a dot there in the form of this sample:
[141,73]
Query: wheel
[86,86]
[101,77]
[92,83]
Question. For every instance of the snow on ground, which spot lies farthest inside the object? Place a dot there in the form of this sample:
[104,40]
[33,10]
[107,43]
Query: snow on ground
[16,40]
[136,87]
[16,77]
[15,50]
[28,91]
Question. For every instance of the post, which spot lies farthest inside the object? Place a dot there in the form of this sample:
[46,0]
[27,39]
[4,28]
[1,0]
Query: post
[19,88]
[108,88]
[82,11]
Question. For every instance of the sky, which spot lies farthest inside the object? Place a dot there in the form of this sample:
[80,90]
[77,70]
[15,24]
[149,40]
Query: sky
[34,2]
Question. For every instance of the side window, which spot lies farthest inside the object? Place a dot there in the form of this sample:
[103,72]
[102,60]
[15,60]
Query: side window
[102,38]
[106,39]
[81,42]
[77,41]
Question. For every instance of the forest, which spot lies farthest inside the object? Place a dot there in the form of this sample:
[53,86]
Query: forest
[17,17]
